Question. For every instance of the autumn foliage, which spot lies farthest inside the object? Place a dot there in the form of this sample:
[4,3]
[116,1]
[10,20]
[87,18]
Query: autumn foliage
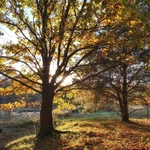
[9,107]
[55,40]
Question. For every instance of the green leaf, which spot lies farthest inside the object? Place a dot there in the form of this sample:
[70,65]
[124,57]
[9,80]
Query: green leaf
[97,1]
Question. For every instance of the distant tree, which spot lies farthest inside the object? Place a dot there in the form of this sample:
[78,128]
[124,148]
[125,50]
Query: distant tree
[125,56]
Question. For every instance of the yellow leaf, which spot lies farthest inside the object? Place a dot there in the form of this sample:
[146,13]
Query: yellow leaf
[132,22]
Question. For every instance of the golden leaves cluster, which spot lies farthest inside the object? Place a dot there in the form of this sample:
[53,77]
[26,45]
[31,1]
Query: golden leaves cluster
[9,107]
[63,103]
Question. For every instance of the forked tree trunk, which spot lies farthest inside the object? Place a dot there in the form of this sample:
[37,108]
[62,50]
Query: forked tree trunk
[46,118]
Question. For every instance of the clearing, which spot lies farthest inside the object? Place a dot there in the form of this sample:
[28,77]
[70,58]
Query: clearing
[98,131]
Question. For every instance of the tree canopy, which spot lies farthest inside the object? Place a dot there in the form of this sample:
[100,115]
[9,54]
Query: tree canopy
[54,38]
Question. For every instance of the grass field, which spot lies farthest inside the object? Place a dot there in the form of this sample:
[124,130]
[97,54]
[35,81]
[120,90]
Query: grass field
[99,131]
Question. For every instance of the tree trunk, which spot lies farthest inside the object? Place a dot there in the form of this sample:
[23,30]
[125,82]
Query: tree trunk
[125,115]
[46,118]
[120,102]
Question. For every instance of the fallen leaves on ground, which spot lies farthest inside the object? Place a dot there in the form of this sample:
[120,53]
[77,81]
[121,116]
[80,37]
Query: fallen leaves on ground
[108,134]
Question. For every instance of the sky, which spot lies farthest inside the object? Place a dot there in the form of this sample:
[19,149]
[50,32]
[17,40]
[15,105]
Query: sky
[8,35]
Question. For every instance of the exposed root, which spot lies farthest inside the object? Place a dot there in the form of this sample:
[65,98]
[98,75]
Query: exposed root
[51,133]
[60,132]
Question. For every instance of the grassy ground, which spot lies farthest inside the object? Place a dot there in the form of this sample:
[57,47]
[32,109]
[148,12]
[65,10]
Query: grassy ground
[100,131]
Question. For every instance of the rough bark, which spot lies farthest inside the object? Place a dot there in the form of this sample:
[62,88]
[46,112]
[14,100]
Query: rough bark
[125,114]
[46,118]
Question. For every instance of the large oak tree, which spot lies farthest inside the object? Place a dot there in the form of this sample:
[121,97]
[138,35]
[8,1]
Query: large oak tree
[54,37]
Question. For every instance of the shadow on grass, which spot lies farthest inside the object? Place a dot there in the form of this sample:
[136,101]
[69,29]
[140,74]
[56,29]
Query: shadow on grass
[48,143]
[81,140]
[132,125]
[15,134]
[25,142]
[135,125]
